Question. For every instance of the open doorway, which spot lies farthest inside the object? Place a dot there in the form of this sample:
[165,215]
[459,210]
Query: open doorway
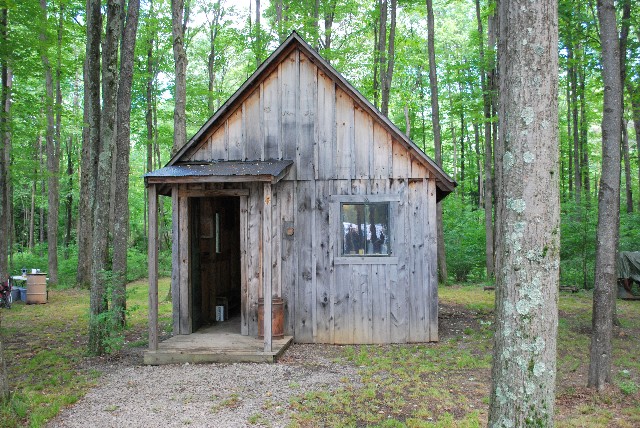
[215,256]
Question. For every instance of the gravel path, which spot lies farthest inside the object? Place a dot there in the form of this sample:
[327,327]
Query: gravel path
[208,395]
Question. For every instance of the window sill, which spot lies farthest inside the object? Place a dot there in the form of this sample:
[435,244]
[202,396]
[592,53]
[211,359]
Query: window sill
[365,260]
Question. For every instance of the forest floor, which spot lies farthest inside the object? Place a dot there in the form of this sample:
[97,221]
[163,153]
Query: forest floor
[418,385]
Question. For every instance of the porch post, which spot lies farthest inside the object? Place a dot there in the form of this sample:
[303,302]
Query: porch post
[266,265]
[153,268]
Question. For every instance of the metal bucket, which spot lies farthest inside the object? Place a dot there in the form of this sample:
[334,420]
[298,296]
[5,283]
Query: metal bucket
[36,288]
[277,318]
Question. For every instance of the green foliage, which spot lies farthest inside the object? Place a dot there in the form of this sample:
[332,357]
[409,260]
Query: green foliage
[137,266]
[578,243]
[464,239]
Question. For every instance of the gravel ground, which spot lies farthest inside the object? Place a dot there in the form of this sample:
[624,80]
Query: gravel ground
[208,395]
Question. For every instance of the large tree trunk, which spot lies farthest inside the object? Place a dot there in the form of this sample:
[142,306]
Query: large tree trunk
[608,201]
[437,139]
[528,217]
[180,57]
[90,142]
[121,225]
[51,148]
[99,277]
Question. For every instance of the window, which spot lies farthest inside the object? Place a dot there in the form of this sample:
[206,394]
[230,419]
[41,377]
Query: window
[365,229]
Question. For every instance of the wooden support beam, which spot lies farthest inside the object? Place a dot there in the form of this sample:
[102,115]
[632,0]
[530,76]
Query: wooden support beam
[244,276]
[153,268]
[175,259]
[266,265]
[185,264]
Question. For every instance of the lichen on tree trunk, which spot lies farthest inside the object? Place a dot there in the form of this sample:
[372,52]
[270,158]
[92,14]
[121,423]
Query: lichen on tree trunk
[527,217]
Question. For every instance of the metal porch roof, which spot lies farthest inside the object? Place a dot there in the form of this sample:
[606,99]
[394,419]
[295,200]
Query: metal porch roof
[220,171]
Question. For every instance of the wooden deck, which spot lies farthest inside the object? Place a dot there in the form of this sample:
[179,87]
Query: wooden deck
[219,343]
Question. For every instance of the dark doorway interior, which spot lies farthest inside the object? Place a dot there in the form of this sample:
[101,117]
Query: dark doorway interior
[215,250]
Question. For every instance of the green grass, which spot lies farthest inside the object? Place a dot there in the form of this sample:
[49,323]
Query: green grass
[45,350]
[443,384]
[446,384]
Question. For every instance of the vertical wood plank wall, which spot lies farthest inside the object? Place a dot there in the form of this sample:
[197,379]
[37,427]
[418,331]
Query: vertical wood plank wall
[299,113]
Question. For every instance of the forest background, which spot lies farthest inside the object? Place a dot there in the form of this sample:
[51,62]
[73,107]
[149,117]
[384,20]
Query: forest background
[379,46]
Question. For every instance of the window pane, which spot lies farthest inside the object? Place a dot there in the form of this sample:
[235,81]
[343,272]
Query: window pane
[365,229]
[353,229]
[378,229]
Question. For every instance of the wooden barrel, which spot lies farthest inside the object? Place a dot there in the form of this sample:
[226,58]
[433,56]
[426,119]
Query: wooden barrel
[36,288]
[277,318]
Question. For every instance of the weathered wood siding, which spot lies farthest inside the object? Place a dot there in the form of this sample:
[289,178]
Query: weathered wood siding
[297,112]
[334,299]
[339,150]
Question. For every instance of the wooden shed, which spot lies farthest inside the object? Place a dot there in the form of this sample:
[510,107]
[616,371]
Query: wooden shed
[298,189]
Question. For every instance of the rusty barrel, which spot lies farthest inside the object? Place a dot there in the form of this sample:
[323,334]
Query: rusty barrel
[277,318]
[36,288]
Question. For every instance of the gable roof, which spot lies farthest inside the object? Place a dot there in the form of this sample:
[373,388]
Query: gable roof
[445,184]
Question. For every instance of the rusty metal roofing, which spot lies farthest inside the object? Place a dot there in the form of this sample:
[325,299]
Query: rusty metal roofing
[273,168]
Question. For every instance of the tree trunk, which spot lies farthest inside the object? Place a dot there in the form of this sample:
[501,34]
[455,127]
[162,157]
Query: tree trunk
[6,188]
[69,199]
[584,162]
[149,107]
[480,182]
[608,201]
[5,105]
[90,143]
[569,151]
[123,142]
[390,61]
[435,119]
[577,181]
[624,35]
[329,16]
[180,58]
[488,152]
[213,33]
[407,121]
[635,106]
[528,218]
[51,149]
[627,167]
[258,36]
[43,191]
[99,273]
